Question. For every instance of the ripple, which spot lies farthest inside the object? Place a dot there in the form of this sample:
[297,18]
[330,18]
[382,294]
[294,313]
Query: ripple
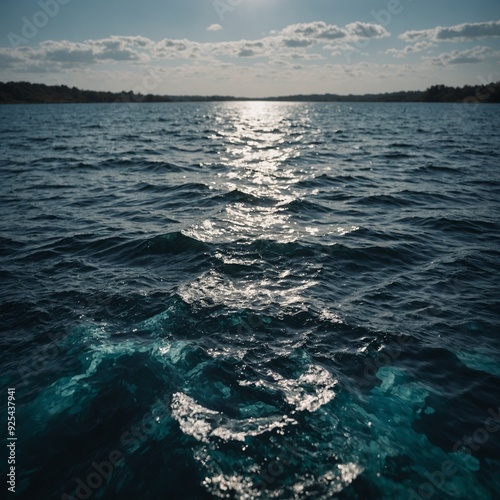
[274,300]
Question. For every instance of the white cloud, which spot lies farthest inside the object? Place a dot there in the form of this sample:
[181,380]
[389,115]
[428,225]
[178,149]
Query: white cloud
[10,57]
[296,41]
[92,51]
[410,49]
[366,30]
[214,27]
[474,55]
[311,31]
[457,33]
[318,31]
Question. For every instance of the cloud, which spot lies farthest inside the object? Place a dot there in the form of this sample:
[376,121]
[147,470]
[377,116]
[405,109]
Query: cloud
[9,57]
[247,53]
[91,51]
[304,41]
[474,55]
[297,38]
[298,42]
[118,55]
[312,31]
[457,33]
[214,27]
[366,30]
[320,31]
[85,56]
[410,49]
[469,31]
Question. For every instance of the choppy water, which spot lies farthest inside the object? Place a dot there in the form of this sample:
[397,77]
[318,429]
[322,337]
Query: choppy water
[252,300]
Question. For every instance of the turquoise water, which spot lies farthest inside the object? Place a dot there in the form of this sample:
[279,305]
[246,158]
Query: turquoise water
[252,300]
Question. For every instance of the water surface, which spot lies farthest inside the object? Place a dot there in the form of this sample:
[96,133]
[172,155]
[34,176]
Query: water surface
[252,300]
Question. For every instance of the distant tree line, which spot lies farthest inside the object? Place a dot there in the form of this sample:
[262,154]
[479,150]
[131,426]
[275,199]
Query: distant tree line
[468,93]
[38,93]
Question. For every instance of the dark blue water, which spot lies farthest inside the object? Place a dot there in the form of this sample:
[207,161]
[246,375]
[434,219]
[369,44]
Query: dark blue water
[251,300]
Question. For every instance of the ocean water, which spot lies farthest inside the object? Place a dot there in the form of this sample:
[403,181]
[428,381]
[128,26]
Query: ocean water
[251,300]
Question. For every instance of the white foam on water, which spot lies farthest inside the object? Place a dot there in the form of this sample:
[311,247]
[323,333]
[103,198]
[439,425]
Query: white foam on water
[223,485]
[313,389]
[226,486]
[239,221]
[204,424]
[212,288]
[330,483]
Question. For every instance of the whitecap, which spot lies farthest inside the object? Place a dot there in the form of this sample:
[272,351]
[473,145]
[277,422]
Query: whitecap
[313,388]
[204,424]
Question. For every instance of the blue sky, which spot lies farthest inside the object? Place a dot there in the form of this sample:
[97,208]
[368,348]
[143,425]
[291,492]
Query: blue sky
[250,47]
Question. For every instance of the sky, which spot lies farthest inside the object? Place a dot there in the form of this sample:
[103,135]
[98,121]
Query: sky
[253,48]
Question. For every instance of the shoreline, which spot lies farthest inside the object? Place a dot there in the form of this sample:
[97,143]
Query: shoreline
[34,93]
